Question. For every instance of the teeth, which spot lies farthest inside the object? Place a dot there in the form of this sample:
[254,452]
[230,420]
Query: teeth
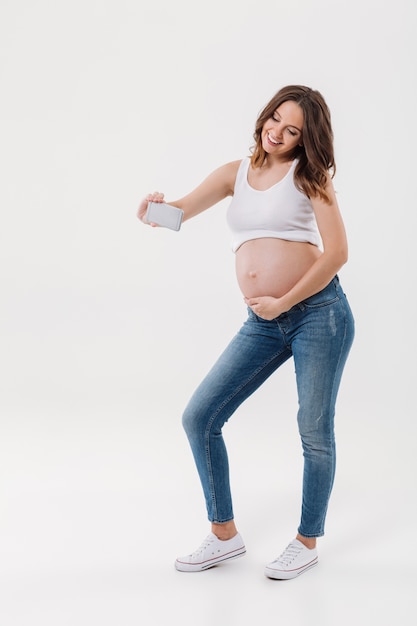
[272,140]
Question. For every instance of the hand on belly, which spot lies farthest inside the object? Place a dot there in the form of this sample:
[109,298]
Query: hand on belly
[266,307]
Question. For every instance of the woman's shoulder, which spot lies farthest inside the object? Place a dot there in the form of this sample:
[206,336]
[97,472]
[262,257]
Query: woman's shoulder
[231,168]
[234,165]
[226,173]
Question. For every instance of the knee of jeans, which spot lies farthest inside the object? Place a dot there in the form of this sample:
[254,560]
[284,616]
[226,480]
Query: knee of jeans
[317,444]
[316,434]
[191,421]
[187,420]
[198,421]
[314,447]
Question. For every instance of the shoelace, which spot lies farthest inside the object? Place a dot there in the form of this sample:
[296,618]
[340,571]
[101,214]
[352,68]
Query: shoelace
[207,541]
[289,554]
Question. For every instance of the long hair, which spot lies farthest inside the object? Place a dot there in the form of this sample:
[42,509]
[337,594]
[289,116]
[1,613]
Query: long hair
[316,155]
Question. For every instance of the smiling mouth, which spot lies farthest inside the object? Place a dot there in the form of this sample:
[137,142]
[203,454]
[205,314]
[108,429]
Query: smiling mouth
[273,141]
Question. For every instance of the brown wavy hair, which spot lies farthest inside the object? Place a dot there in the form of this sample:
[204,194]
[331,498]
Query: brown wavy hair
[316,155]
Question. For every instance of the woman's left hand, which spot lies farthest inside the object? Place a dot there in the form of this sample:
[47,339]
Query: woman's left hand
[266,307]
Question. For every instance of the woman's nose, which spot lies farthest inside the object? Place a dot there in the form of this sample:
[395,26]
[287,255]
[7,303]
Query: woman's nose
[278,129]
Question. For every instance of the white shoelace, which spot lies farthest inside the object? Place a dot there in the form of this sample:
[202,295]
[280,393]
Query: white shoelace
[207,541]
[289,554]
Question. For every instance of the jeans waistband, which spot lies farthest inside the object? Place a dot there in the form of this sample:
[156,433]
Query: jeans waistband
[334,283]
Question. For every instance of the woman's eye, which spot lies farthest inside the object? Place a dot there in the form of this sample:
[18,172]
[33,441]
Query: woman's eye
[291,132]
[275,119]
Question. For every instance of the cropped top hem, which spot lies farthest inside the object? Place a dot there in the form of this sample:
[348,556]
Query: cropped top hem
[298,237]
[280,212]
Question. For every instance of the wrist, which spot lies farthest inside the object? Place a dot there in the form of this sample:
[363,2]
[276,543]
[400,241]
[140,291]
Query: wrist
[283,305]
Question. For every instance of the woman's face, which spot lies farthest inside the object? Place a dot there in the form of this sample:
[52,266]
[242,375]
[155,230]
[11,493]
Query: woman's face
[282,132]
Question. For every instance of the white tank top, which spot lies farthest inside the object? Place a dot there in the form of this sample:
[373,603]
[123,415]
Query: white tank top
[281,211]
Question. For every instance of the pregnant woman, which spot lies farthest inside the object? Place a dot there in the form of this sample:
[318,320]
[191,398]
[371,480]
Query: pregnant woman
[289,241]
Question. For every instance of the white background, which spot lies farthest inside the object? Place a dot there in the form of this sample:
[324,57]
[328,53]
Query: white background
[107,326]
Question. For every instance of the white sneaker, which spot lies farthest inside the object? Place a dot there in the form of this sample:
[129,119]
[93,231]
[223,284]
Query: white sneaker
[211,552]
[295,560]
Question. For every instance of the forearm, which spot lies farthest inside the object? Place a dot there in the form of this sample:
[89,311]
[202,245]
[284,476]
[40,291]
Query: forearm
[314,280]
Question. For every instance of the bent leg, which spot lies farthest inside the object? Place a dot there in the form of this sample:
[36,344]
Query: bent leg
[250,358]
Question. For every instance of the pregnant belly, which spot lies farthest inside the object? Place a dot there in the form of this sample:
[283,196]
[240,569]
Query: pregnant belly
[270,267]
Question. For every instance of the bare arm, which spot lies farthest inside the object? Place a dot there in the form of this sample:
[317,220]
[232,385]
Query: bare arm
[334,256]
[217,186]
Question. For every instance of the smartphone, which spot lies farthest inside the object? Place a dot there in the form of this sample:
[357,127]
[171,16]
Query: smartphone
[164,215]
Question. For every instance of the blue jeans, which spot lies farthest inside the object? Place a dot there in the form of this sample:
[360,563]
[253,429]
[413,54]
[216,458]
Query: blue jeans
[318,333]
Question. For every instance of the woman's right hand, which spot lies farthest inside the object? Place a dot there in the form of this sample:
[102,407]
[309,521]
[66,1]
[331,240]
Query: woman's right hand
[143,207]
